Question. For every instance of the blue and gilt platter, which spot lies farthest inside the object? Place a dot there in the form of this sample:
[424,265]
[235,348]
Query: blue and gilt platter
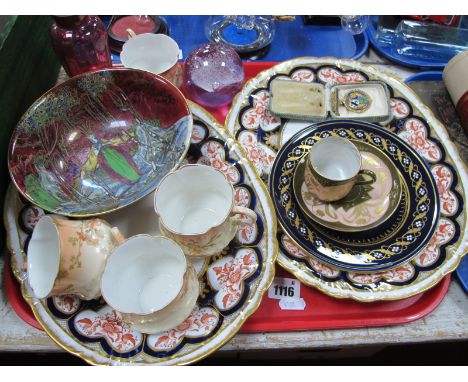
[394,242]
[231,284]
[261,135]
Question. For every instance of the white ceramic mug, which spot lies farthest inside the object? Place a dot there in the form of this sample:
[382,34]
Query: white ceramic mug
[155,53]
[68,256]
[149,283]
[455,77]
[334,166]
[196,208]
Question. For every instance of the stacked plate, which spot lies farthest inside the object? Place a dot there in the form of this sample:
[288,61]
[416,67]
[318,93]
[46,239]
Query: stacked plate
[376,226]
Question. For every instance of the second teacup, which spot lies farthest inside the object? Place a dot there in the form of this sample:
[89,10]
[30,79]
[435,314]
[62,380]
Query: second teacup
[196,208]
[149,283]
[335,167]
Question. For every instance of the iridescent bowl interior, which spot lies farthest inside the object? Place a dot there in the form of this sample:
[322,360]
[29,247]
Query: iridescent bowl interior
[99,141]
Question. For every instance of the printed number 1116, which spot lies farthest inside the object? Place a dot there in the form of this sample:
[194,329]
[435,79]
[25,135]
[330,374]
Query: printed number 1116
[285,291]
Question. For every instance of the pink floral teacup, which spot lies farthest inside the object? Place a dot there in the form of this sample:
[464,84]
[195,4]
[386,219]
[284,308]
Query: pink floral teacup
[68,256]
[149,283]
[196,208]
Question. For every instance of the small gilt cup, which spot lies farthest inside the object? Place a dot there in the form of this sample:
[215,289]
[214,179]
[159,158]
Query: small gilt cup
[334,166]
[196,208]
[68,256]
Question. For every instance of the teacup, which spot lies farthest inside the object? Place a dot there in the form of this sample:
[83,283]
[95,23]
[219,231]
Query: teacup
[334,168]
[196,208]
[149,283]
[68,256]
[155,53]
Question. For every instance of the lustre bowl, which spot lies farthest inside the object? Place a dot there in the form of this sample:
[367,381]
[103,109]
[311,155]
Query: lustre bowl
[99,141]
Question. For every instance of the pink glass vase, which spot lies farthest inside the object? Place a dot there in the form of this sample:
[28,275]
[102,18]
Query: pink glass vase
[81,43]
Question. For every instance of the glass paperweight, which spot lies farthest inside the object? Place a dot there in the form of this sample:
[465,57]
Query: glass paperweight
[213,74]
[245,34]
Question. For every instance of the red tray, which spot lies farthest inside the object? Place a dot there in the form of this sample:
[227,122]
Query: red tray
[325,312]
[321,312]
[15,298]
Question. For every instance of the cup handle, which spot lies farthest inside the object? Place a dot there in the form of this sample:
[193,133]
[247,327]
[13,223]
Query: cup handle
[119,238]
[130,33]
[238,210]
[369,173]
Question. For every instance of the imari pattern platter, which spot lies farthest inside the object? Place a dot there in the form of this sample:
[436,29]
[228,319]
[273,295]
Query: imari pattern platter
[260,134]
[231,284]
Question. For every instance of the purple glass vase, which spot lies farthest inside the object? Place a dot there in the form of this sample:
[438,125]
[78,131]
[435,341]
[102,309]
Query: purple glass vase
[213,75]
[81,43]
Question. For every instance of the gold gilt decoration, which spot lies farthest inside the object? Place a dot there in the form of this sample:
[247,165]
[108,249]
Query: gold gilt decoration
[419,216]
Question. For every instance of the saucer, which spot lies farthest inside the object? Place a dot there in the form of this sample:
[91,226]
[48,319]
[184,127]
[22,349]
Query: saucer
[175,313]
[395,241]
[366,206]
